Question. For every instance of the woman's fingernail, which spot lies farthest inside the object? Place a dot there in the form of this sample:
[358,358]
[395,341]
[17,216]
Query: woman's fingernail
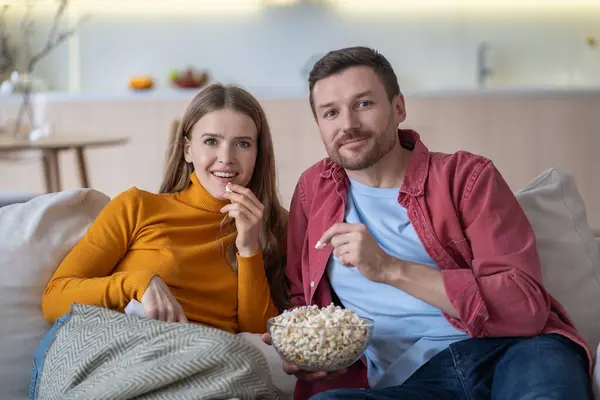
[227,188]
[319,245]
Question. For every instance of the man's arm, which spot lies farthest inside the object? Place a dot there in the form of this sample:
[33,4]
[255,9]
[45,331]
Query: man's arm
[354,246]
[503,293]
[421,281]
[296,236]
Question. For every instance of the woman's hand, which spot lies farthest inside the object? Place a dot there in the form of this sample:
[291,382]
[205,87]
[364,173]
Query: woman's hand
[248,213]
[160,304]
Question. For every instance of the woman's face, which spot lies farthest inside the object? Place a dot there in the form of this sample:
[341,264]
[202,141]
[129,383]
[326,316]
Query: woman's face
[223,147]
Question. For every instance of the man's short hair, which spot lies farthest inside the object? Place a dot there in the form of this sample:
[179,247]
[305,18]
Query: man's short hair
[337,61]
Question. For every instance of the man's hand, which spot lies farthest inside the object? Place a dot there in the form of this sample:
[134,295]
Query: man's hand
[292,369]
[354,246]
[160,304]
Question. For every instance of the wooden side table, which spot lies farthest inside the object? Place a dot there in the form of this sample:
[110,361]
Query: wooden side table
[51,146]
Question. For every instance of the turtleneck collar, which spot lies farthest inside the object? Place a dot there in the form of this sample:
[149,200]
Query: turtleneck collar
[196,196]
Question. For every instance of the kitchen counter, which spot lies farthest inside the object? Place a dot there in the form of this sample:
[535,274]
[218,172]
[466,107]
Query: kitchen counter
[523,130]
[274,93]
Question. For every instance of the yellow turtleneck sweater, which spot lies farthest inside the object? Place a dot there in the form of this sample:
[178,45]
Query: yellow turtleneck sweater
[176,236]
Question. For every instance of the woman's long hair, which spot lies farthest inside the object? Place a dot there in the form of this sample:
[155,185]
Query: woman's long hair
[263,183]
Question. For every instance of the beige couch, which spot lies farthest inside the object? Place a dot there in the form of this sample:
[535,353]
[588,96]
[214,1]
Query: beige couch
[35,236]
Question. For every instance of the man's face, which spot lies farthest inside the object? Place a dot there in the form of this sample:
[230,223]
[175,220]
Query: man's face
[358,123]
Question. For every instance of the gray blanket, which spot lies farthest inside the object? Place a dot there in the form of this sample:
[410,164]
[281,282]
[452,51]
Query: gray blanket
[103,354]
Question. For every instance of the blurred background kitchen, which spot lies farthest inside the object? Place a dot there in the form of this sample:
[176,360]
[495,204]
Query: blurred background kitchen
[515,80]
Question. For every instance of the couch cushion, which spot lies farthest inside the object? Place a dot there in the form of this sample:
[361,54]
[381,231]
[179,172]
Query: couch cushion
[569,253]
[596,377]
[34,238]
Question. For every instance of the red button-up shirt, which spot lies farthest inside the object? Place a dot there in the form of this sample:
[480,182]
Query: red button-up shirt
[470,224]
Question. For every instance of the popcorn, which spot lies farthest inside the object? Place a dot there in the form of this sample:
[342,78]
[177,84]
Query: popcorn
[317,339]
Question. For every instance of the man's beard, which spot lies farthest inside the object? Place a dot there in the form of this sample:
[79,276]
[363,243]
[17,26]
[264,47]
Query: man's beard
[383,145]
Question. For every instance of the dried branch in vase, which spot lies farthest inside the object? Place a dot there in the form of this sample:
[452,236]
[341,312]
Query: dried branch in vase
[7,49]
[56,36]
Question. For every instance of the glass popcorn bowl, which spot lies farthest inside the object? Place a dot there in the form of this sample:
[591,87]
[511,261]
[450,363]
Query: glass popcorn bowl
[321,348]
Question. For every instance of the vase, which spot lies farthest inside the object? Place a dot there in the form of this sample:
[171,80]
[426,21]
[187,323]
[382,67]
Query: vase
[25,121]
[20,82]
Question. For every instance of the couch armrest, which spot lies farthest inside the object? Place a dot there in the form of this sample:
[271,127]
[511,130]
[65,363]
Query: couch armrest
[8,198]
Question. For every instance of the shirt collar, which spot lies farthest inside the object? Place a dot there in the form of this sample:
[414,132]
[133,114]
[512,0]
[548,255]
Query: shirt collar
[416,172]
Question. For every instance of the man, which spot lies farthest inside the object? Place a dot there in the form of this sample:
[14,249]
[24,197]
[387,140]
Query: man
[434,247]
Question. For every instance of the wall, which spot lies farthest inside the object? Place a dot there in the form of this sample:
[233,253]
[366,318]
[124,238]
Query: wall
[532,42]
[524,133]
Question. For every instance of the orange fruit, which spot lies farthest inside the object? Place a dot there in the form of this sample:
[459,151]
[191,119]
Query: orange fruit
[141,82]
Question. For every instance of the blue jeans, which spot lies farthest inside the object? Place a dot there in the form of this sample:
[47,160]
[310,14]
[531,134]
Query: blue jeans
[548,367]
[40,354]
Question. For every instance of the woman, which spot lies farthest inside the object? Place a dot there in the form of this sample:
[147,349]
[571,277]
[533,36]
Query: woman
[210,247]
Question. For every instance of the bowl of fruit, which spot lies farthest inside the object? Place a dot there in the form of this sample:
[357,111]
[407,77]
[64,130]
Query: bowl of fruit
[188,78]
